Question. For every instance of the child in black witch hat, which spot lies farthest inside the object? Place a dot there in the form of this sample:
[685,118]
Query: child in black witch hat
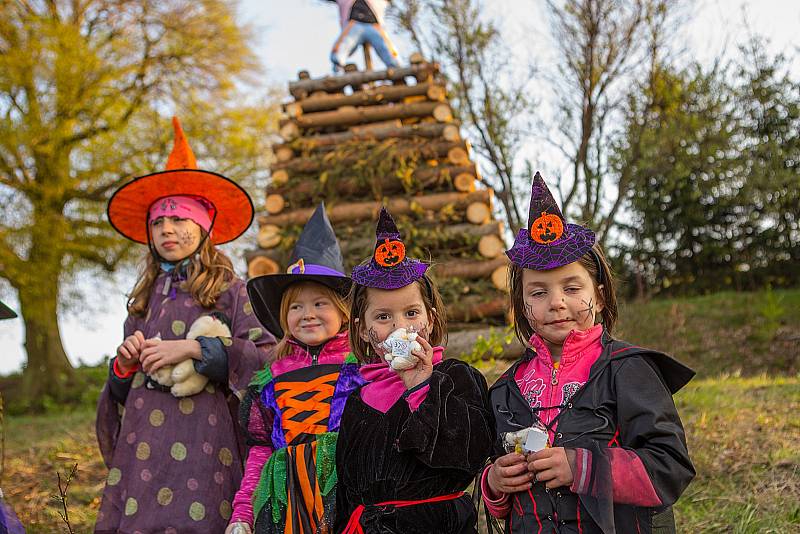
[413,438]
[589,438]
[293,407]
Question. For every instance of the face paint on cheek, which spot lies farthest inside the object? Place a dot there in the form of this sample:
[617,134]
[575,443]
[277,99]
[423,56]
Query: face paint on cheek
[588,311]
[186,238]
[376,342]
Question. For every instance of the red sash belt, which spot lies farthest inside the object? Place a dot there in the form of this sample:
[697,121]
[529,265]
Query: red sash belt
[354,524]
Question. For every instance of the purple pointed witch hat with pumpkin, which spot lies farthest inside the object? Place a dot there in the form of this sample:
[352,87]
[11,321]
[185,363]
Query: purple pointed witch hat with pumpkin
[389,267]
[548,242]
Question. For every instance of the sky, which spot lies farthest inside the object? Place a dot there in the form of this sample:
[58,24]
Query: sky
[292,35]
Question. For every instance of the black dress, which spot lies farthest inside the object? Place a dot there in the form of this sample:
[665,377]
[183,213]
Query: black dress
[402,455]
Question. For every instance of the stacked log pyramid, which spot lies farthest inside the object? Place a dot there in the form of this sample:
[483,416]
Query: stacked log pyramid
[370,138]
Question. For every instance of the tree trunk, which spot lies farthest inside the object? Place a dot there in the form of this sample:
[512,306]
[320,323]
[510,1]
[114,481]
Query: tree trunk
[48,371]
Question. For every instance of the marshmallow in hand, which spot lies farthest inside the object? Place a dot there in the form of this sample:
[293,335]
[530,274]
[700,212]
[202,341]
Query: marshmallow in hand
[399,346]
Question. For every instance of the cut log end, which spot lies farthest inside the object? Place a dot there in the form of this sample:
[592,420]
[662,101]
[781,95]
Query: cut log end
[303,75]
[500,278]
[443,113]
[280,177]
[260,266]
[289,131]
[294,110]
[479,213]
[274,204]
[464,182]
[451,133]
[284,153]
[491,246]
[458,156]
[416,58]
[269,236]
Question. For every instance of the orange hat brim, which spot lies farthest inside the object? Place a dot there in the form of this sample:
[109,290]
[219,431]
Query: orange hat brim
[129,205]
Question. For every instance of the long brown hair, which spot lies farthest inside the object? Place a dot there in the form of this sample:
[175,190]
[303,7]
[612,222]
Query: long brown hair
[590,262]
[283,348]
[433,305]
[208,274]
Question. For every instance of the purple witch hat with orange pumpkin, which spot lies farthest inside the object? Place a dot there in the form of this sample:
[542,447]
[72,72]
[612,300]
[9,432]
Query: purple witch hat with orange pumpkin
[548,242]
[389,267]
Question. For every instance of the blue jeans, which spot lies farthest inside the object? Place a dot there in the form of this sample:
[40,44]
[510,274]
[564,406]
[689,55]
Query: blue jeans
[358,33]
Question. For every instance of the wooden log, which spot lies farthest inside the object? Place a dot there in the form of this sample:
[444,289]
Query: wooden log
[500,278]
[350,116]
[279,177]
[375,126]
[351,67]
[463,343]
[464,182]
[274,204]
[289,131]
[469,269]
[260,266]
[458,155]
[479,213]
[269,236]
[421,71]
[360,211]
[423,177]
[416,58]
[433,150]
[303,75]
[449,132]
[377,95]
[283,153]
[491,246]
[475,309]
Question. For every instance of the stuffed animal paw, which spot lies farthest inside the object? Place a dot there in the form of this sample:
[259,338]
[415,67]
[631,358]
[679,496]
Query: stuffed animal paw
[183,379]
[399,346]
[238,528]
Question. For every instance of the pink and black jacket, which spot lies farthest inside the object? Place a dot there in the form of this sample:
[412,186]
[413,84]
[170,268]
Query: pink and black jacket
[632,462]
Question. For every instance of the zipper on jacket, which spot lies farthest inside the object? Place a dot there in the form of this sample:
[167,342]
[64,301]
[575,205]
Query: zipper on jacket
[554,377]
[314,358]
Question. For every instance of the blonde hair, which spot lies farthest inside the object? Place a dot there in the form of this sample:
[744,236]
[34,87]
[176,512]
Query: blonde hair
[608,294]
[433,305]
[208,275]
[283,348]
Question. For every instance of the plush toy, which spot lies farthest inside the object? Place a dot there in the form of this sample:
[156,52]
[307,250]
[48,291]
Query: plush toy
[399,346]
[182,379]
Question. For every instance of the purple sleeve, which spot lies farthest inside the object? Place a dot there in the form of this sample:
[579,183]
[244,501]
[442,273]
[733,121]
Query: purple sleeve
[109,416]
[250,346]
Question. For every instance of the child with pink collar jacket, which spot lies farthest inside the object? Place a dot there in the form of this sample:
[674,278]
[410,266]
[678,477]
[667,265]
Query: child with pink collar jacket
[615,458]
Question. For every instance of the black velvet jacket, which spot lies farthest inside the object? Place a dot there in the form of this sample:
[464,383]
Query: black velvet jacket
[411,455]
[629,390]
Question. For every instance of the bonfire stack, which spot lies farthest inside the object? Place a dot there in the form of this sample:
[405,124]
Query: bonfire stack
[370,138]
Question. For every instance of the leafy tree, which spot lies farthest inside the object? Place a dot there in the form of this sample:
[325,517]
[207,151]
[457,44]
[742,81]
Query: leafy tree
[491,94]
[85,93]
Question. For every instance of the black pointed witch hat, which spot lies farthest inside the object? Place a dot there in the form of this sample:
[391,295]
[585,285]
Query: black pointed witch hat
[6,312]
[316,257]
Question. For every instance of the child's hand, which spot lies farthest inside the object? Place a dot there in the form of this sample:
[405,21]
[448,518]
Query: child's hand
[238,528]
[128,353]
[509,474]
[551,466]
[156,353]
[422,371]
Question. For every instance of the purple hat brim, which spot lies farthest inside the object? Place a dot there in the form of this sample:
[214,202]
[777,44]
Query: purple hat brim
[266,292]
[406,272]
[528,254]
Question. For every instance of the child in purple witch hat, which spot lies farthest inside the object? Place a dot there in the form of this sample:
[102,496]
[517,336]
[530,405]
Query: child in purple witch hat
[413,438]
[589,439]
[293,406]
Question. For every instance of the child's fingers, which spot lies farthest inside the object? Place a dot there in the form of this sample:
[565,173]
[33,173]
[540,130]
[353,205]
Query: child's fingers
[152,342]
[123,353]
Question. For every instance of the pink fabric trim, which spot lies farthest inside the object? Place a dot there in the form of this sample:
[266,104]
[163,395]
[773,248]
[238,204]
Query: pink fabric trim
[385,386]
[534,378]
[497,506]
[416,398]
[582,473]
[243,500]
[185,207]
[335,351]
[632,484]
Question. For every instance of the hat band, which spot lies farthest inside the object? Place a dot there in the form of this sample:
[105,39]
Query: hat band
[195,209]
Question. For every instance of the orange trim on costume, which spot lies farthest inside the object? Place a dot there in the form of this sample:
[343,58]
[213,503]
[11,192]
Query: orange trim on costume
[290,406]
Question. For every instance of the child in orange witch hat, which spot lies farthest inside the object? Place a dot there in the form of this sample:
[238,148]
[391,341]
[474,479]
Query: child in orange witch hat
[175,462]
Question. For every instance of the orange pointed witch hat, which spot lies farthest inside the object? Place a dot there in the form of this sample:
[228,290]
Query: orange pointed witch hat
[231,212]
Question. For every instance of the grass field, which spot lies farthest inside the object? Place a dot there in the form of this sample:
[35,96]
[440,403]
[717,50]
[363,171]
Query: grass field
[740,415]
